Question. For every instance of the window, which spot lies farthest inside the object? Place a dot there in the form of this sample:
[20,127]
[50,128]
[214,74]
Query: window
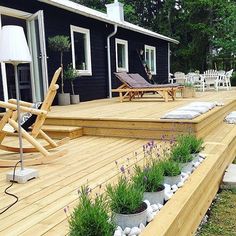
[81,50]
[150,58]
[122,55]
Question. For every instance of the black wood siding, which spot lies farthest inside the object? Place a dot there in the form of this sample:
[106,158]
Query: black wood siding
[137,41]
[58,21]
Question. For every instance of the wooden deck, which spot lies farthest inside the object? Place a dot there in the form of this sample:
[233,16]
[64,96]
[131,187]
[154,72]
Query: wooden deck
[91,159]
[141,118]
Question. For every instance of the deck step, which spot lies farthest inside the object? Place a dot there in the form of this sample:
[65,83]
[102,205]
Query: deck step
[57,131]
[229,179]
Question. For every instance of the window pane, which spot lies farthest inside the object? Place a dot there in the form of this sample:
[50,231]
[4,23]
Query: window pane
[80,45]
[152,60]
[121,55]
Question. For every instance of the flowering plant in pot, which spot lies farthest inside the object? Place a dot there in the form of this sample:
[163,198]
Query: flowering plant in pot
[61,44]
[181,153]
[72,74]
[195,144]
[150,179]
[172,172]
[90,217]
[126,202]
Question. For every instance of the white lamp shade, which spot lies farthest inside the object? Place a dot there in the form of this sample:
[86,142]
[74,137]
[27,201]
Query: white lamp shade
[13,45]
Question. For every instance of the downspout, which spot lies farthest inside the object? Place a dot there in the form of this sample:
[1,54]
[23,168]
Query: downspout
[109,58]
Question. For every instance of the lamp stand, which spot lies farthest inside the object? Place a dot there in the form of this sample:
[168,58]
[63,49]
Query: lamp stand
[22,175]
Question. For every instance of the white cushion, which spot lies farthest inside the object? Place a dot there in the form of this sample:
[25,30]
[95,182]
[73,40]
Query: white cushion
[209,105]
[178,114]
[231,118]
[200,109]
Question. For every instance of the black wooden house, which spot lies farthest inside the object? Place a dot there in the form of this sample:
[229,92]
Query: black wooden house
[95,37]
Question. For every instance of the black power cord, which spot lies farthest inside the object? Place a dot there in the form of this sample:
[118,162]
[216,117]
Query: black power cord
[10,194]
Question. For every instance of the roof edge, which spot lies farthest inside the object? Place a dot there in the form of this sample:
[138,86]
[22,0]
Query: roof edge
[91,13]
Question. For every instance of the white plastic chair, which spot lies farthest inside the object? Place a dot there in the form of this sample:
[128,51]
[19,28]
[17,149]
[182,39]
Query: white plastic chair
[180,78]
[211,77]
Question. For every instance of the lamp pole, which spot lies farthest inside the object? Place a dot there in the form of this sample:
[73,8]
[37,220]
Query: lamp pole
[18,115]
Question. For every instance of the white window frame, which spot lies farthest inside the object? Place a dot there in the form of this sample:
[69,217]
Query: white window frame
[77,29]
[147,47]
[125,43]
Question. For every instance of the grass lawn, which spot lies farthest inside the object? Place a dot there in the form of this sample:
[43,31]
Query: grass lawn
[222,216]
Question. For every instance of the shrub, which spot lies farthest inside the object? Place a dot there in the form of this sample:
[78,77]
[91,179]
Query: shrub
[124,197]
[181,153]
[150,179]
[195,145]
[90,217]
[170,168]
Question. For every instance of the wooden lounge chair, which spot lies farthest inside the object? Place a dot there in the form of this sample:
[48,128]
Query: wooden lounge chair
[134,85]
[36,121]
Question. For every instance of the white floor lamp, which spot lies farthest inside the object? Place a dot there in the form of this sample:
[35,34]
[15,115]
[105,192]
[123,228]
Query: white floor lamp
[14,50]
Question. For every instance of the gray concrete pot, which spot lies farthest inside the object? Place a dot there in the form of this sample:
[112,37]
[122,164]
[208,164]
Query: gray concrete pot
[155,197]
[195,157]
[171,180]
[131,220]
[74,99]
[63,99]
[186,167]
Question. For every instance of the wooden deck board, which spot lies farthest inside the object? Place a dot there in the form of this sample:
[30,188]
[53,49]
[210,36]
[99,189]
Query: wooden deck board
[92,159]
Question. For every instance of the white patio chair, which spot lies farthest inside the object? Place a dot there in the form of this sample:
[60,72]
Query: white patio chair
[228,76]
[211,77]
[180,78]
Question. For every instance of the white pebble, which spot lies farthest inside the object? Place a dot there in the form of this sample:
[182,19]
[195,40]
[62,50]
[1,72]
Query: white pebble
[201,160]
[119,228]
[135,231]
[183,174]
[142,226]
[189,173]
[167,187]
[150,217]
[180,184]
[147,202]
[154,207]
[174,188]
[196,164]
[168,196]
[155,212]
[118,233]
[159,206]
[149,210]
[127,230]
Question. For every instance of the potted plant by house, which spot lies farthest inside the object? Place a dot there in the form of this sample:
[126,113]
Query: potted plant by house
[180,153]
[172,172]
[71,74]
[188,90]
[150,179]
[126,202]
[91,217]
[195,144]
[61,44]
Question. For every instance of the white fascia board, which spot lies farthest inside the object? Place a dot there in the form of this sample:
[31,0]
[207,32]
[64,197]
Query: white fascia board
[86,11]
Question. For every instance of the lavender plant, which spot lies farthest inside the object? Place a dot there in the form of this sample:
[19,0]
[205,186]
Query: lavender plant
[91,217]
[124,197]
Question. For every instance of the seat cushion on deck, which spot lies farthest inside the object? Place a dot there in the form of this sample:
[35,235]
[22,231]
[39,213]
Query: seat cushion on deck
[210,105]
[200,109]
[231,118]
[183,115]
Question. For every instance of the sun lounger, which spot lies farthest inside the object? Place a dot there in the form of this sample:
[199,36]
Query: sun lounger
[135,86]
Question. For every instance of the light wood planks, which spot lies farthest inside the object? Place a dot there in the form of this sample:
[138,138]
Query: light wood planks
[182,215]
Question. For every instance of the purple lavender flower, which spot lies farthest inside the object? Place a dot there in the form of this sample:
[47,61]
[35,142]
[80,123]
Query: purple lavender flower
[65,210]
[122,169]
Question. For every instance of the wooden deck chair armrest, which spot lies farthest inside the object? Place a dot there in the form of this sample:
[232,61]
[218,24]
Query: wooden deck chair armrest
[22,108]
[22,103]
